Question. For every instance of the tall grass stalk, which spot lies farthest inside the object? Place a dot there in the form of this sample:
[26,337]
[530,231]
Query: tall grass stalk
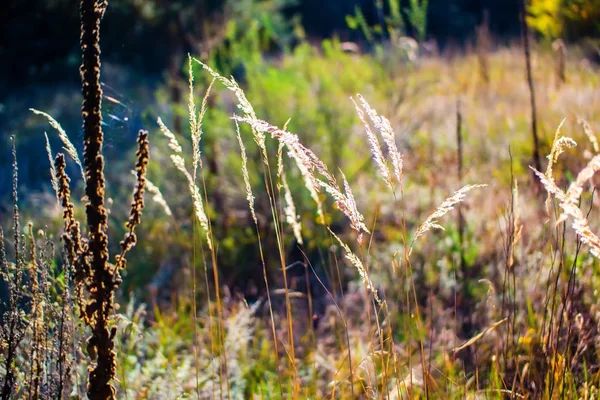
[533,106]
[259,137]
[250,199]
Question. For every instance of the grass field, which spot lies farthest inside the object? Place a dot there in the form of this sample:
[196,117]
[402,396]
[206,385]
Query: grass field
[337,225]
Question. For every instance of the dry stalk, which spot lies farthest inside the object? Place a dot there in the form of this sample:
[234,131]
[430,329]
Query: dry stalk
[527,52]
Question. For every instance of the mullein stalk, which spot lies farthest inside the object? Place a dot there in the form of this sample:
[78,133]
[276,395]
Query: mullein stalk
[100,305]
[93,269]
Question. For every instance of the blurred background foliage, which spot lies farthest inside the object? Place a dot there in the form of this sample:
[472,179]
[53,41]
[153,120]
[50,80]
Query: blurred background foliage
[38,39]
[291,57]
[566,19]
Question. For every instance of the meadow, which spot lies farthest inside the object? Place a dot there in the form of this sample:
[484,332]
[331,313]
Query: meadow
[320,224]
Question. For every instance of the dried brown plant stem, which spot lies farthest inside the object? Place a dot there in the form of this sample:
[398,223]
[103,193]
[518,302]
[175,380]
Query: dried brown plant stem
[560,49]
[483,47]
[137,204]
[35,350]
[459,156]
[74,245]
[63,363]
[14,325]
[100,304]
[527,52]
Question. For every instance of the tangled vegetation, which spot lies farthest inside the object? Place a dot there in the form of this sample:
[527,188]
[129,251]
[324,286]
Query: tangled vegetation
[406,242]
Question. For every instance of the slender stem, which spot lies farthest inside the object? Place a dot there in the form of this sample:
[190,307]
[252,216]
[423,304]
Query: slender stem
[527,51]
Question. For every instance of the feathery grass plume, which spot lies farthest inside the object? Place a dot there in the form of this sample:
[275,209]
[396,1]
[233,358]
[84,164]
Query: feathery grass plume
[388,136]
[173,142]
[243,104]
[378,156]
[308,181]
[432,221]
[576,188]
[354,260]
[192,113]
[280,147]
[582,227]
[157,197]
[137,205]
[580,222]
[309,184]
[279,159]
[550,185]
[53,180]
[587,129]
[559,146]
[179,163]
[249,195]
[203,108]
[232,85]
[196,120]
[309,164]
[69,147]
[350,208]
[291,216]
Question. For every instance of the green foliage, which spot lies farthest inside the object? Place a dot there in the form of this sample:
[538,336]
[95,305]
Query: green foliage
[359,22]
[417,15]
[565,18]
[394,22]
[544,17]
[253,28]
[581,18]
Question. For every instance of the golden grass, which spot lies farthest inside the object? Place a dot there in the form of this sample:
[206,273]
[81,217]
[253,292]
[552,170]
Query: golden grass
[69,147]
[179,163]
[388,326]
[356,262]
[158,197]
[568,201]
[245,174]
[309,165]
[432,221]
[53,179]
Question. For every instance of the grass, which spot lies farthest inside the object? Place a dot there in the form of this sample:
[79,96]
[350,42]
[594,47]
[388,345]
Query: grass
[322,255]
